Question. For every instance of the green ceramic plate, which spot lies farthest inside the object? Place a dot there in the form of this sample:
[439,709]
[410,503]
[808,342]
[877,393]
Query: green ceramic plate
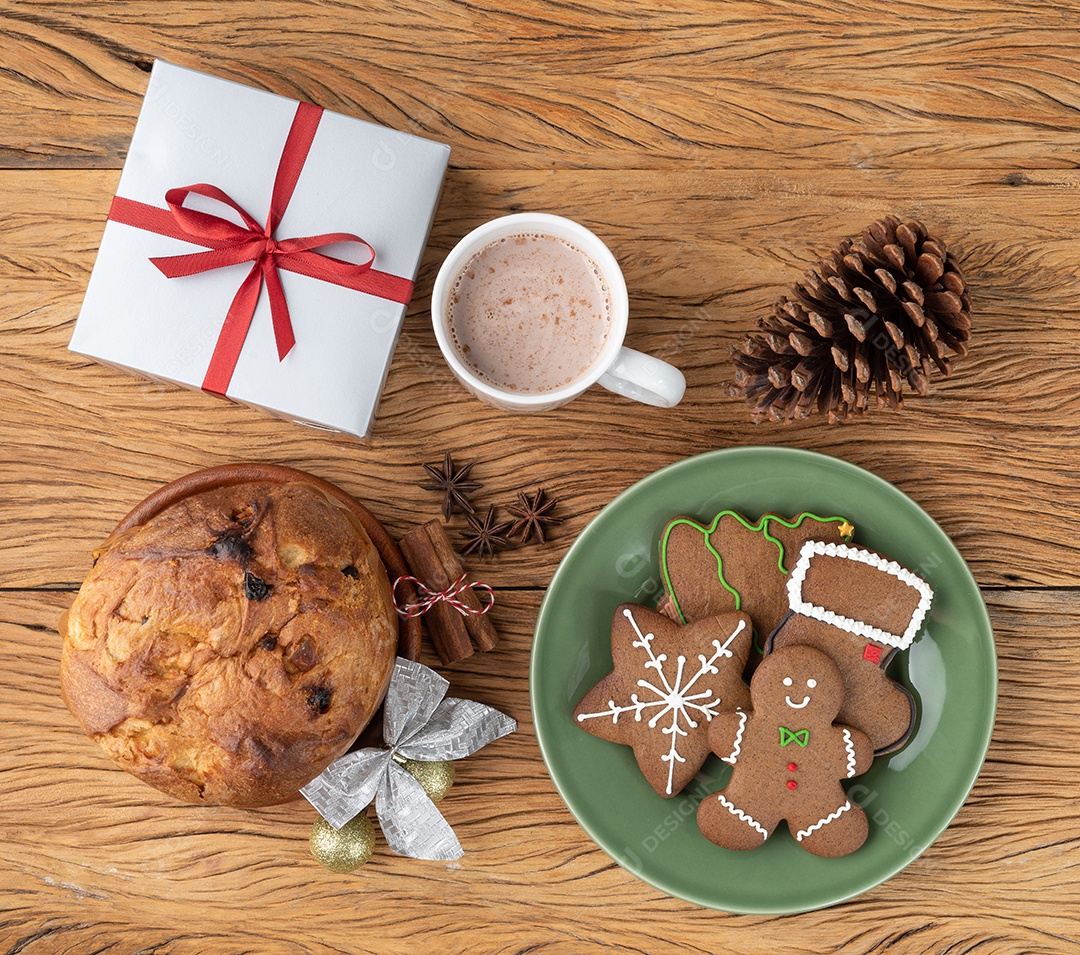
[909,797]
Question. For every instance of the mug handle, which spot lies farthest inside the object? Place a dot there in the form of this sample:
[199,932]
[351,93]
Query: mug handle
[644,378]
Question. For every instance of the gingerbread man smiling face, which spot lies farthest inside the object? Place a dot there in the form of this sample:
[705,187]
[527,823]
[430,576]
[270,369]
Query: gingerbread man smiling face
[789,758]
[811,684]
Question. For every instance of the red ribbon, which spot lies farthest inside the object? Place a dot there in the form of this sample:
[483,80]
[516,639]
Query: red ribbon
[231,244]
[428,598]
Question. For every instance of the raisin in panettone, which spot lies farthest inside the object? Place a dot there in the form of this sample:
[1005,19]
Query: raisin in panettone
[227,649]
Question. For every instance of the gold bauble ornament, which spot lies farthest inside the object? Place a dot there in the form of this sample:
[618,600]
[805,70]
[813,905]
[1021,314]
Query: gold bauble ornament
[344,849]
[436,777]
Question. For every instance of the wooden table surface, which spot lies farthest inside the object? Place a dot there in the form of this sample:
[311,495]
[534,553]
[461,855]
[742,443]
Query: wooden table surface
[720,148]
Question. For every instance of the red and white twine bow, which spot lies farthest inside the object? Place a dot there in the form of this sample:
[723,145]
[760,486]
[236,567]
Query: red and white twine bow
[428,597]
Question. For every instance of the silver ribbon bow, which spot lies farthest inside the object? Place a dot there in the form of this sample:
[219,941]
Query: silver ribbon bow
[418,723]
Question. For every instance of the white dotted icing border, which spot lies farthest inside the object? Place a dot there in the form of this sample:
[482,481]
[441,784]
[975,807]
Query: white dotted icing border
[814,548]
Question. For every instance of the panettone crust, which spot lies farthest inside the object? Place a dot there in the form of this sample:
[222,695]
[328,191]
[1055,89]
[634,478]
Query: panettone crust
[229,648]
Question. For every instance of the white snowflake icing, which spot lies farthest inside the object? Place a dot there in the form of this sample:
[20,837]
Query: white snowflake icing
[671,697]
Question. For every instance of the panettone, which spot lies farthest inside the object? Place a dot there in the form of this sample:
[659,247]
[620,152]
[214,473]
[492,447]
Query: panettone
[229,647]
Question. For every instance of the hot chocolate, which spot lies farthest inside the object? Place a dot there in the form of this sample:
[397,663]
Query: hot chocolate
[529,313]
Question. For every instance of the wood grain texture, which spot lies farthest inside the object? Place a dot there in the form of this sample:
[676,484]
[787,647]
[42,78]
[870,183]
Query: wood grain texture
[704,254]
[719,148]
[95,858]
[527,84]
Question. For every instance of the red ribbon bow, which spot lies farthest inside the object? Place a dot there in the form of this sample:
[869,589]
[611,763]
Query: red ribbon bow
[428,597]
[232,244]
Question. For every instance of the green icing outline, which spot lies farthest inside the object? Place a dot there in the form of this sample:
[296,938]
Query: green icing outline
[760,527]
[793,737]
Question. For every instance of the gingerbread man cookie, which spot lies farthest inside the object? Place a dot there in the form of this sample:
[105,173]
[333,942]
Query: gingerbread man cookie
[668,684]
[789,757]
[734,564]
[861,609]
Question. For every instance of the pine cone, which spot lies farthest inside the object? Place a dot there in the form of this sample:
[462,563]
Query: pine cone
[880,311]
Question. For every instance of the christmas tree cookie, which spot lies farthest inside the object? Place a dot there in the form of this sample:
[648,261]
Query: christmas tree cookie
[732,563]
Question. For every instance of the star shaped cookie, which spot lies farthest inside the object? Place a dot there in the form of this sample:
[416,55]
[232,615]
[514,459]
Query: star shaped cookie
[668,684]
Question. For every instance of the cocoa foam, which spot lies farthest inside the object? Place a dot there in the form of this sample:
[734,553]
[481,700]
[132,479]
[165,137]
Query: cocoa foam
[529,313]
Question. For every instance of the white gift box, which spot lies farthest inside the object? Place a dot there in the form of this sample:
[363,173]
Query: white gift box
[357,178]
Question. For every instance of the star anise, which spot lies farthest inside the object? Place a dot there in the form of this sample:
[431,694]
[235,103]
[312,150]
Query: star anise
[533,513]
[485,535]
[454,484]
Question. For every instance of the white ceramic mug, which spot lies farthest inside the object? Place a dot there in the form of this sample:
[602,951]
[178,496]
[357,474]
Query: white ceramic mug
[616,367]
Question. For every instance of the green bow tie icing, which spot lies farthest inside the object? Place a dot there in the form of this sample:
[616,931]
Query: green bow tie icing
[802,737]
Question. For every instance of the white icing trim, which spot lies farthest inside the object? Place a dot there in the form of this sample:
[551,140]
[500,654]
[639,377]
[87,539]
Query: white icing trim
[674,698]
[738,813]
[850,747]
[812,549]
[738,738]
[802,833]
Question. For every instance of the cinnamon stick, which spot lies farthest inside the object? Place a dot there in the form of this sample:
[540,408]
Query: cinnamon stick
[481,629]
[445,625]
[434,561]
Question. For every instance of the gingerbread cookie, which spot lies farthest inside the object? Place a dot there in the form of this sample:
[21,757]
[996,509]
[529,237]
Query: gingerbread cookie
[733,564]
[861,609]
[789,758]
[668,684]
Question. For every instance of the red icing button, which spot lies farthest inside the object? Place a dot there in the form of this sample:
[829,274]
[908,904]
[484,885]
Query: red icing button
[791,784]
[872,653]
[791,767]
